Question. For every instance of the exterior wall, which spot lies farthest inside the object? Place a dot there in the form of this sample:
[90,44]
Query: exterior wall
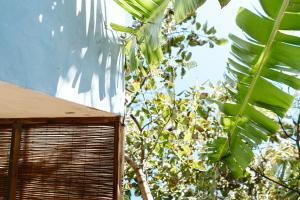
[62,48]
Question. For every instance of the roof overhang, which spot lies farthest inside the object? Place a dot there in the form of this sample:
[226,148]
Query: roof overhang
[17,103]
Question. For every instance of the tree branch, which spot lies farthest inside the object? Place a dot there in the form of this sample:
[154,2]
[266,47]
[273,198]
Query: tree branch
[274,181]
[137,93]
[142,138]
[298,136]
[283,129]
[157,139]
[141,178]
[136,122]
[150,122]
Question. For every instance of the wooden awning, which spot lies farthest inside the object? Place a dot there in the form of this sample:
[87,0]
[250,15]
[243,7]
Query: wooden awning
[20,103]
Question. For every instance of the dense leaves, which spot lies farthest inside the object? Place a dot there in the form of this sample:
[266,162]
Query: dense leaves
[165,128]
[170,145]
[178,139]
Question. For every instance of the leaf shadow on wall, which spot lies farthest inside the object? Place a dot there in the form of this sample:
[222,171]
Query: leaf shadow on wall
[62,48]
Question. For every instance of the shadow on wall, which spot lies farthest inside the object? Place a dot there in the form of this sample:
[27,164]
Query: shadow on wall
[62,48]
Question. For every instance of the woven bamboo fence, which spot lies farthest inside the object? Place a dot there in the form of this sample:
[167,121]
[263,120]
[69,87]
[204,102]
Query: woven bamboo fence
[61,161]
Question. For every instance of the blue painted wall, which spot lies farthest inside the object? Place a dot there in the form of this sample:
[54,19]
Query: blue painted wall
[64,48]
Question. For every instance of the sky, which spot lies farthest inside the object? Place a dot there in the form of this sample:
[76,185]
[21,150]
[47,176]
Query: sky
[212,62]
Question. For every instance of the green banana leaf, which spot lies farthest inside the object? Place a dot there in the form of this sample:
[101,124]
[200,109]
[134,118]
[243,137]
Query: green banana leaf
[260,66]
[150,14]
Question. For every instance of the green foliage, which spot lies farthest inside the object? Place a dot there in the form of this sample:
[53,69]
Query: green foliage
[284,168]
[168,128]
[120,28]
[223,3]
[264,61]
[149,15]
[145,36]
[179,139]
[186,8]
[171,145]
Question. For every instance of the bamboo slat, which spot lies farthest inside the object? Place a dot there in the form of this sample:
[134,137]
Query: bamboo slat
[62,161]
[5,139]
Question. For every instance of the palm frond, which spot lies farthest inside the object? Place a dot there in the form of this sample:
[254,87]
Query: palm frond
[185,8]
[150,14]
[269,57]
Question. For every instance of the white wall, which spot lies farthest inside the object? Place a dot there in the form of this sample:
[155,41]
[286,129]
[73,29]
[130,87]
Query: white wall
[62,47]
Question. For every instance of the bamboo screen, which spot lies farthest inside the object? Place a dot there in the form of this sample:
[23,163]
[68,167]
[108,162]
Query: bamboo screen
[62,161]
[5,138]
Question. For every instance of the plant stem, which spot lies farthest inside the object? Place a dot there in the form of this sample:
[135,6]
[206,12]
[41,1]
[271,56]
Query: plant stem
[274,181]
[141,178]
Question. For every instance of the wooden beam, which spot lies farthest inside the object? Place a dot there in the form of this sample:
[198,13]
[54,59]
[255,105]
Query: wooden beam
[119,161]
[60,120]
[13,161]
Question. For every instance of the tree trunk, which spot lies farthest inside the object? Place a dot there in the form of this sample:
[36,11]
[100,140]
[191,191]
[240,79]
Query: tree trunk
[143,185]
